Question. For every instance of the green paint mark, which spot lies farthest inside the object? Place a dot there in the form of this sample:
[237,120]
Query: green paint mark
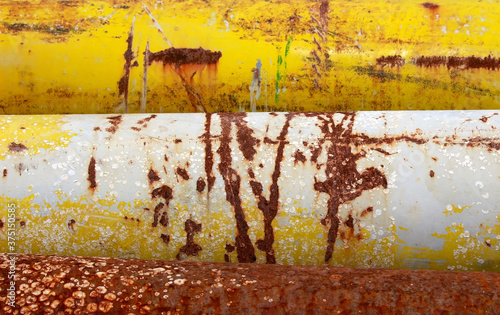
[279,75]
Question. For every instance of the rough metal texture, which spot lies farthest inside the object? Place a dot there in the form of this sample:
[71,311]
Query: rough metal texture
[76,285]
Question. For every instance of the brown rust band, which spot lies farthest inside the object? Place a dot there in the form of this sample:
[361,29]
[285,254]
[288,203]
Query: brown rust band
[53,284]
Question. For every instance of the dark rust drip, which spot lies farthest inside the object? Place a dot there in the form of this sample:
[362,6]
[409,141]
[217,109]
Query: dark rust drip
[17,147]
[129,56]
[114,121]
[269,207]
[232,181]
[431,173]
[344,182]
[153,176]
[184,56]
[209,156]
[245,138]
[200,185]
[91,174]
[4,172]
[191,248]
[182,173]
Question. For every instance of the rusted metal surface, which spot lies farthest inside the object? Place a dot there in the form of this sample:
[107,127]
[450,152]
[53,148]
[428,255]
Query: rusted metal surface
[77,285]
[380,189]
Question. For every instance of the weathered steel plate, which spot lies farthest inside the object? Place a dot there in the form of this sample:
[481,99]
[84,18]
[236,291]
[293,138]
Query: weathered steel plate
[52,284]
[93,56]
[380,189]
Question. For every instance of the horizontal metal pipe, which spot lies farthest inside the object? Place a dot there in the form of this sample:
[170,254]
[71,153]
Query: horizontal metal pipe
[380,189]
[52,284]
[304,55]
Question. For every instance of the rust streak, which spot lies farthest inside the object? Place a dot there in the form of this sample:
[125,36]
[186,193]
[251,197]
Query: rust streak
[91,174]
[209,156]
[182,173]
[4,172]
[269,207]
[232,182]
[129,56]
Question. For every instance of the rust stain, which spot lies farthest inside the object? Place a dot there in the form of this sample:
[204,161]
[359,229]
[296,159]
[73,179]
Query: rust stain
[71,225]
[91,174]
[430,5]
[177,141]
[485,118]
[124,286]
[4,172]
[17,147]
[144,121]
[160,211]
[299,157]
[22,224]
[229,249]
[97,129]
[129,56]
[344,182]
[191,248]
[232,183]
[395,61]
[153,176]
[185,56]
[350,222]
[165,238]
[114,121]
[431,173]
[489,62]
[1,224]
[200,184]
[182,173]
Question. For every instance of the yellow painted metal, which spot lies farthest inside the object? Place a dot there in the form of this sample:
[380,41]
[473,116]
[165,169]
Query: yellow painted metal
[68,56]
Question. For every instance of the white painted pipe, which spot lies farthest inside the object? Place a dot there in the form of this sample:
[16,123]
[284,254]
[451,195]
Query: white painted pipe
[387,189]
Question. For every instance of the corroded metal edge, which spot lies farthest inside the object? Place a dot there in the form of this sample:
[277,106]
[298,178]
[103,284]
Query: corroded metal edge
[79,285]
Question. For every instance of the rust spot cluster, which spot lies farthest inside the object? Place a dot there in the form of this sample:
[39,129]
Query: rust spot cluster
[114,121]
[80,285]
[395,61]
[17,147]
